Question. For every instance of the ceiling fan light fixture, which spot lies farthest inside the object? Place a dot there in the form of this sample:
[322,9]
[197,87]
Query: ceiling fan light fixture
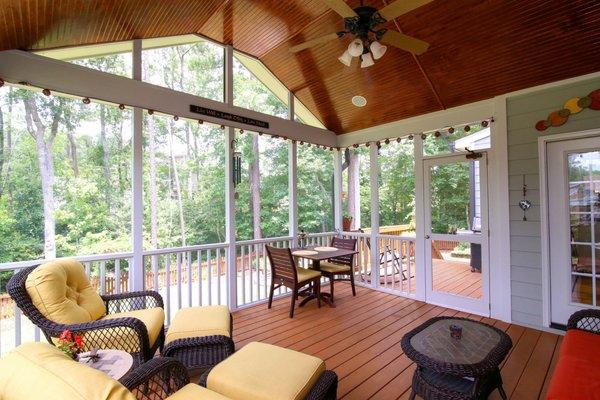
[346,58]
[355,48]
[367,60]
[377,49]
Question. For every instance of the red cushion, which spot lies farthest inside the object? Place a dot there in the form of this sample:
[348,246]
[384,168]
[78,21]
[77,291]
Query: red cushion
[577,373]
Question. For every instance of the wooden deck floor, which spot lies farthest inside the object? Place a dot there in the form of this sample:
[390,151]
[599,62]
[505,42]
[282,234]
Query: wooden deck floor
[360,341]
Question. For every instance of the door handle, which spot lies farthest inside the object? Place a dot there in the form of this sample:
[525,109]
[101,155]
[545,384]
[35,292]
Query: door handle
[427,237]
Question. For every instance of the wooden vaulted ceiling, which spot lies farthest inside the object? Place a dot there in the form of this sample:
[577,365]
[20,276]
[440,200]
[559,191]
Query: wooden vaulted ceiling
[479,48]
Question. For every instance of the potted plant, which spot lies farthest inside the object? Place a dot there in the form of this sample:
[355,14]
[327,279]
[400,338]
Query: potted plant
[347,223]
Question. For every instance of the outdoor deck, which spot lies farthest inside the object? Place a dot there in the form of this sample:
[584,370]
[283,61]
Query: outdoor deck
[360,340]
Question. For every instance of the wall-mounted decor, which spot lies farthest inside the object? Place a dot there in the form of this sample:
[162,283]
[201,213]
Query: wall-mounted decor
[572,106]
[228,116]
[524,204]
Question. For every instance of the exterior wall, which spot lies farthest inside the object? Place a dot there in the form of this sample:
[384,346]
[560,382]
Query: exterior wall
[525,236]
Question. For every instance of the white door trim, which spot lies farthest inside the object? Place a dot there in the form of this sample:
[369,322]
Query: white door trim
[545,232]
[471,305]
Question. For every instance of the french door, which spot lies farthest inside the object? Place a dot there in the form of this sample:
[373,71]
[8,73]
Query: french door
[456,232]
[573,170]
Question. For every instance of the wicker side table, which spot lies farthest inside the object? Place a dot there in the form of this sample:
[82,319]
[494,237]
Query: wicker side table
[456,369]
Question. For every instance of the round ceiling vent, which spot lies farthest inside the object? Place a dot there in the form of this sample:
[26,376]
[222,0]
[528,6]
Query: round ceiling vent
[359,101]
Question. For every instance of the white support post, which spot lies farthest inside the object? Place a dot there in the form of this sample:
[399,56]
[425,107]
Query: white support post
[374,181]
[229,187]
[420,263]
[292,178]
[337,190]
[136,270]
[293,191]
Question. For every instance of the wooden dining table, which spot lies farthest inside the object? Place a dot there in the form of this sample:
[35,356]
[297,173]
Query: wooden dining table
[316,257]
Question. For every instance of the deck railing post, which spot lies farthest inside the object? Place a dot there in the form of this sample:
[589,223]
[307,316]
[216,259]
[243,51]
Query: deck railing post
[230,189]
[136,270]
[374,181]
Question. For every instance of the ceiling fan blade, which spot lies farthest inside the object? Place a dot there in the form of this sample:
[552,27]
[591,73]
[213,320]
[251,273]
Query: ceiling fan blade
[340,7]
[313,42]
[405,42]
[400,7]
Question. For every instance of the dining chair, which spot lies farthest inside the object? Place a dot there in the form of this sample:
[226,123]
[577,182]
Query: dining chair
[341,265]
[285,273]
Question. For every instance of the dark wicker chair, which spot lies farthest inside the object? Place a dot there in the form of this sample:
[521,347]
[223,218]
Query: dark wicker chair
[324,389]
[343,265]
[132,332]
[156,379]
[585,320]
[285,273]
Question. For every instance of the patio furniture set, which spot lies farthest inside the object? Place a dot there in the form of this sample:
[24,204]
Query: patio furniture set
[456,358]
[335,262]
[129,331]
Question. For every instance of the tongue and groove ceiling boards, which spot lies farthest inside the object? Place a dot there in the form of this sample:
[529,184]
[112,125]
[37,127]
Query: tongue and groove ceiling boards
[478,48]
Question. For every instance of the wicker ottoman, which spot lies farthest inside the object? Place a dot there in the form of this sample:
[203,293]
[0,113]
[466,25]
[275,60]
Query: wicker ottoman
[261,371]
[200,337]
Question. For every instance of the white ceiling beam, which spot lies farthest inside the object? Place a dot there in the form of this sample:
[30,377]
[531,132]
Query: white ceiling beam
[17,66]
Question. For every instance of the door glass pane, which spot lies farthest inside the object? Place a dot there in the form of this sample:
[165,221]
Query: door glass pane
[455,198]
[584,207]
[456,268]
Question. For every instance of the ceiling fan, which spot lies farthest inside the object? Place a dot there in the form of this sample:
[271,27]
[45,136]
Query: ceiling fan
[363,22]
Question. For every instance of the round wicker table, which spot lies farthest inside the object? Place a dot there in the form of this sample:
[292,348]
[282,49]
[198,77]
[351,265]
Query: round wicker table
[456,369]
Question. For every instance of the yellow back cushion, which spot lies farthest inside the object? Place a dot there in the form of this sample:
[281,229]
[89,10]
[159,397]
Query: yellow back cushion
[41,371]
[61,291]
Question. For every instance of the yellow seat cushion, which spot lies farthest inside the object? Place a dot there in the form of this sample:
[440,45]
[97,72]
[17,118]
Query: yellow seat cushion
[192,391]
[199,321]
[61,291]
[153,319]
[261,371]
[334,268]
[41,371]
[305,274]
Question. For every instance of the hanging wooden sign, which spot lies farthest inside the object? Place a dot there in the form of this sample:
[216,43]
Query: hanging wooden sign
[228,116]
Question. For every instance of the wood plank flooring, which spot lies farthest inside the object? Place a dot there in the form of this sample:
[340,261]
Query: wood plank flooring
[360,340]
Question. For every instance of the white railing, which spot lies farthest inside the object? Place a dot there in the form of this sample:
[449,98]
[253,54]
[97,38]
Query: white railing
[188,276]
[396,272]
[254,271]
[198,275]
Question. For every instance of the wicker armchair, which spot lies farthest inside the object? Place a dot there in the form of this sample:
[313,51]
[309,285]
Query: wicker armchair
[156,379]
[125,333]
[585,320]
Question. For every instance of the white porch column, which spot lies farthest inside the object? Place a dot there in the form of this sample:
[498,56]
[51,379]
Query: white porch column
[136,269]
[374,181]
[292,178]
[337,190]
[420,252]
[293,191]
[229,187]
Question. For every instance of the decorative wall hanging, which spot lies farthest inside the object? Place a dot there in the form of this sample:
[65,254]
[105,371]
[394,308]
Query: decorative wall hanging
[524,204]
[572,106]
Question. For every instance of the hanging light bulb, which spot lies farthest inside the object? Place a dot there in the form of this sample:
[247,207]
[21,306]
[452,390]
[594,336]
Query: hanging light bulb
[355,48]
[346,58]
[377,49]
[367,60]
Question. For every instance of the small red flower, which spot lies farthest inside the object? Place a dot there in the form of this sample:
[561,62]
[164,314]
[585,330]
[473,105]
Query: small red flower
[66,336]
[79,342]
